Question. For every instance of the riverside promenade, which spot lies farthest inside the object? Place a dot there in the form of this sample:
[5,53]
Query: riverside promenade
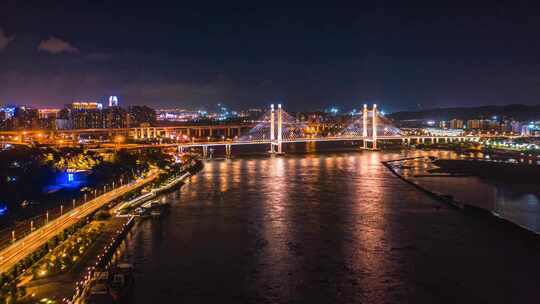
[9,256]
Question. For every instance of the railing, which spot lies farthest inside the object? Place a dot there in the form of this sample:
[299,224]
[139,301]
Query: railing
[22,228]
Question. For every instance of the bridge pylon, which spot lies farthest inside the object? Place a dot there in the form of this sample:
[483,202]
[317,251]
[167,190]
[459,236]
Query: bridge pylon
[374,133]
[276,138]
[272,126]
[366,136]
[280,129]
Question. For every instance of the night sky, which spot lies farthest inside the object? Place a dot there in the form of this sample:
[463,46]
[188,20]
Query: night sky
[401,54]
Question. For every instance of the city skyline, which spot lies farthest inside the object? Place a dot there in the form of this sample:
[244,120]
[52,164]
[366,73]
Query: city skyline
[162,152]
[406,57]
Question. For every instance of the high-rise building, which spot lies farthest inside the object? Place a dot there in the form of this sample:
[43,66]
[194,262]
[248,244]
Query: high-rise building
[113,101]
[114,118]
[7,112]
[25,118]
[85,105]
[456,124]
[86,119]
[141,115]
[474,124]
[47,118]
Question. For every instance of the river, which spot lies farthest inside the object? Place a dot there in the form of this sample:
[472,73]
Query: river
[333,227]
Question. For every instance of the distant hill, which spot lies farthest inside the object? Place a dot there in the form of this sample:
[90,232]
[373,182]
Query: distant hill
[517,112]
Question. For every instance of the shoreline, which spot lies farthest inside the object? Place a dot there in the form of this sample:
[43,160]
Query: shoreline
[105,259]
[37,286]
[448,199]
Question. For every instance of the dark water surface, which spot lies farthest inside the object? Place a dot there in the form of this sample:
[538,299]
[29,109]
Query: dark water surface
[518,202]
[325,228]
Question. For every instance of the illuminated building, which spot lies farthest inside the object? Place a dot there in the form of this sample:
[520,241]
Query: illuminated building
[114,118]
[456,124]
[7,112]
[84,105]
[113,101]
[139,115]
[48,113]
[179,115]
[47,118]
[474,124]
[25,118]
[85,119]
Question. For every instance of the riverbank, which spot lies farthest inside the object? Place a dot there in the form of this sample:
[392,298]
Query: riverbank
[72,286]
[63,285]
[418,181]
[335,226]
[163,186]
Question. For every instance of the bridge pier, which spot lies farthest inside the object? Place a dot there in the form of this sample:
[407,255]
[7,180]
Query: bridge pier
[205,151]
[228,151]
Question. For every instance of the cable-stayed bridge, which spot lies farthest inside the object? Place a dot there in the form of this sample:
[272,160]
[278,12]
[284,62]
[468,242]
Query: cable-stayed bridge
[277,127]
[274,128]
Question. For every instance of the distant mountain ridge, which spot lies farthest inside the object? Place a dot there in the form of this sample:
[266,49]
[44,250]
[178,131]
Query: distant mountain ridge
[516,111]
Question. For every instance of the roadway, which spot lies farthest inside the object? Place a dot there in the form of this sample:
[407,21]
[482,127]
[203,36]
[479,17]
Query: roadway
[30,243]
[267,141]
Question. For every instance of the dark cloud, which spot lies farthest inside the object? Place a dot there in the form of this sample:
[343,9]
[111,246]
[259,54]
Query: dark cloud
[398,55]
[55,46]
[4,39]
[49,88]
[173,93]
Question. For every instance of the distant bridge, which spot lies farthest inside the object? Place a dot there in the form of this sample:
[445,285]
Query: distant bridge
[274,128]
[277,127]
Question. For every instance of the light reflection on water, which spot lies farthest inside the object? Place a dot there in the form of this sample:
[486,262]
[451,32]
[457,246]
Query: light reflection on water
[329,228]
[515,202]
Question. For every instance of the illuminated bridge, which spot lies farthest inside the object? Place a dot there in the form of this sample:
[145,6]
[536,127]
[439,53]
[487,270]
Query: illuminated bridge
[276,127]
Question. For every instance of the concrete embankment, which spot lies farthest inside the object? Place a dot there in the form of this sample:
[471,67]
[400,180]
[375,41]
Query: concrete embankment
[120,211]
[105,258]
[441,197]
[449,199]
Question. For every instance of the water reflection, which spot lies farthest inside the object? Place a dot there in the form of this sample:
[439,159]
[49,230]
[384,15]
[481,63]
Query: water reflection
[515,202]
[331,228]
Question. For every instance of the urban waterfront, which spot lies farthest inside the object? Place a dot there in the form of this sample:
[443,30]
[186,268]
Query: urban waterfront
[368,153]
[333,227]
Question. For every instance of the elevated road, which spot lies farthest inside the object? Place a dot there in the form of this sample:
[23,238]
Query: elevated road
[31,242]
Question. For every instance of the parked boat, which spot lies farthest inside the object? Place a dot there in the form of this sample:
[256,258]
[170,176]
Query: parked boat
[142,212]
